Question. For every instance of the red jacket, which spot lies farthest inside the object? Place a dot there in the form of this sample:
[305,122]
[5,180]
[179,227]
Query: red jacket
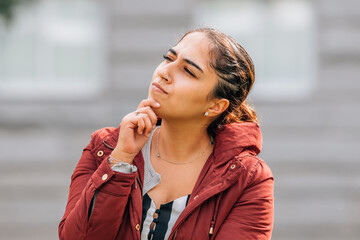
[232,198]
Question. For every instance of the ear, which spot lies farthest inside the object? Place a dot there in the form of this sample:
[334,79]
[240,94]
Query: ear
[218,107]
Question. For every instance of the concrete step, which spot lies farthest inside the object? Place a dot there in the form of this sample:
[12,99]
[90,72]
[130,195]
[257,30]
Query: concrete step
[309,113]
[315,231]
[33,199]
[340,39]
[343,78]
[337,11]
[29,231]
[322,196]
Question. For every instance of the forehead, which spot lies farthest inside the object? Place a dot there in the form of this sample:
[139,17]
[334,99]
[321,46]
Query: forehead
[194,46]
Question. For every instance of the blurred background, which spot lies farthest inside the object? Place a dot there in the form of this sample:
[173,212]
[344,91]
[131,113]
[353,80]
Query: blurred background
[68,68]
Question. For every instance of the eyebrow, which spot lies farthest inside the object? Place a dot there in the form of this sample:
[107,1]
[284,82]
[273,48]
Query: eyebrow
[186,60]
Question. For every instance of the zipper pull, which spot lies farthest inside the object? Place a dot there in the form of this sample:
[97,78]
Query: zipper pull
[211,231]
[138,182]
[135,183]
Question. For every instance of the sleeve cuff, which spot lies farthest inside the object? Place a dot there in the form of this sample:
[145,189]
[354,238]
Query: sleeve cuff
[124,168]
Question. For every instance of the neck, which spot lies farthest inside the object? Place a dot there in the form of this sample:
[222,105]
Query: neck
[182,142]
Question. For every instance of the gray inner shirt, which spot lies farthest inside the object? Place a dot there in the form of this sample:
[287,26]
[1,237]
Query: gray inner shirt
[151,178]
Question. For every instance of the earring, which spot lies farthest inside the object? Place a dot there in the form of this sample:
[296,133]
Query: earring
[206,113]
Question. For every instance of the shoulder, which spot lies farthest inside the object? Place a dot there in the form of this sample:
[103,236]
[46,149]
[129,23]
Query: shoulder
[104,133]
[109,135]
[257,169]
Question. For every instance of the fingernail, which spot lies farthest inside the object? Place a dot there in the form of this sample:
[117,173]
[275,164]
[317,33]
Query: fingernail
[157,104]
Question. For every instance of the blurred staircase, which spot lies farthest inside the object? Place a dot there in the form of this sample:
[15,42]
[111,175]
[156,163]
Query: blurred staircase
[311,145]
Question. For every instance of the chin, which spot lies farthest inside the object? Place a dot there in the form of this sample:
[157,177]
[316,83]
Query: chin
[158,112]
[155,97]
[151,95]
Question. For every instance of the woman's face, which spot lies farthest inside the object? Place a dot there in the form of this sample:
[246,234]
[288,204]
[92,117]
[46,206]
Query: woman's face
[183,81]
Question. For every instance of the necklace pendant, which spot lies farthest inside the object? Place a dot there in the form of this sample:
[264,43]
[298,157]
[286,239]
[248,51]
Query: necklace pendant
[158,155]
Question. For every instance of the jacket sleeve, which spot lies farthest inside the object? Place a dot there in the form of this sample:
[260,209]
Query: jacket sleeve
[251,218]
[113,189]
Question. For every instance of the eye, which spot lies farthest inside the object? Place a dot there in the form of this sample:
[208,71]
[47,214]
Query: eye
[167,58]
[189,72]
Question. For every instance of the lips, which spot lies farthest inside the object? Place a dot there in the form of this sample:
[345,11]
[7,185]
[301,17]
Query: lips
[159,87]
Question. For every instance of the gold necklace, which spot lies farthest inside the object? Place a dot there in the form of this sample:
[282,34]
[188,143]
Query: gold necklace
[178,163]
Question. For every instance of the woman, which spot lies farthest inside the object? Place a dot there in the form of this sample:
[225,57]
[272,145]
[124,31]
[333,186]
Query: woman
[197,174]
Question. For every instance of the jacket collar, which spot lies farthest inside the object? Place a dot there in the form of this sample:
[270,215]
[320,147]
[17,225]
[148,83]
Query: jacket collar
[234,138]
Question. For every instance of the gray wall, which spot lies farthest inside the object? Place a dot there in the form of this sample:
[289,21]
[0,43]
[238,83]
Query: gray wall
[310,144]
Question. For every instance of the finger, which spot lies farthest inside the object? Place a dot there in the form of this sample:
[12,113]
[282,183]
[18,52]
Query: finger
[148,102]
[141,125]
[148,124]
[149,111]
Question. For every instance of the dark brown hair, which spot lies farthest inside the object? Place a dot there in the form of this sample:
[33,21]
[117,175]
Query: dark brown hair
[236,75]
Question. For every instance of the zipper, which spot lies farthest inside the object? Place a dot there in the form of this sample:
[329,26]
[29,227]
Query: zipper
[174,237]
[139,182]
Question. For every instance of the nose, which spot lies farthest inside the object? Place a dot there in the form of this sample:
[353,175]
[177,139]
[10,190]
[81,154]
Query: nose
[165,73]
[165,76]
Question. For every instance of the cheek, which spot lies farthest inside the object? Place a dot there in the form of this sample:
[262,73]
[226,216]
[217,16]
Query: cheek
[192,95]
